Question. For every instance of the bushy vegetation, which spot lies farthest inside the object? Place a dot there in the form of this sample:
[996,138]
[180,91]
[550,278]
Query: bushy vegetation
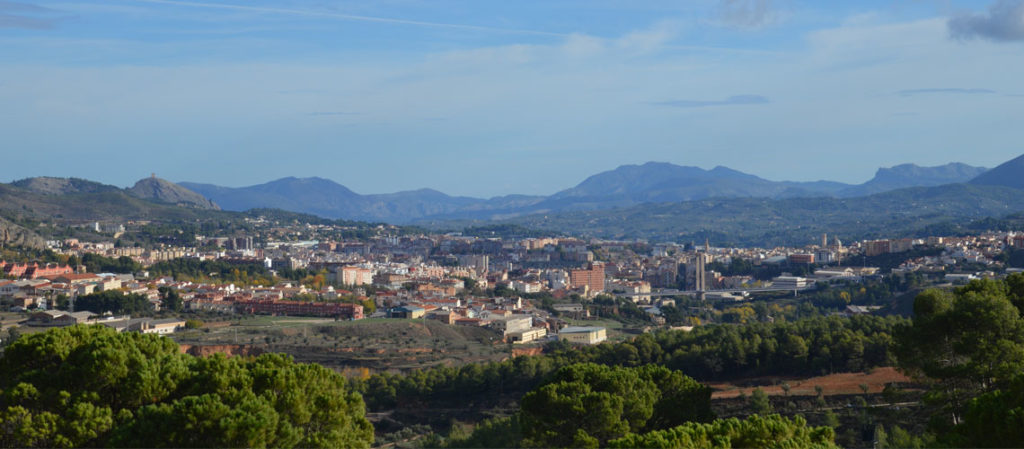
[115,302]
[95,263]
[89,386]
[968,345]
[811,347]
[589,404]
[772,431]
[214,271]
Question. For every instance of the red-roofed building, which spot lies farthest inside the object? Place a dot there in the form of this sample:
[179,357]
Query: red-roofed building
[301,308]
[469,322]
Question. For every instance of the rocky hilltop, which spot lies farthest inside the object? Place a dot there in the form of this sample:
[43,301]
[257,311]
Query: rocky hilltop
[161,190]
[14,235]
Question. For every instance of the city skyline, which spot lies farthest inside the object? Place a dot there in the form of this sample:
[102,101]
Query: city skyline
[485,99]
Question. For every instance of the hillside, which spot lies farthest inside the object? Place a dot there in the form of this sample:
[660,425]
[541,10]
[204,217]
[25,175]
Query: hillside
[659,182]
[911,175]
[164,191]
[18,204]
[792,221]
[329,199]
[14,235]
[1008,174]
[62,186]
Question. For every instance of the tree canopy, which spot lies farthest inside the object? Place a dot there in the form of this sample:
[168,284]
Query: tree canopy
[968,345]
[966,342]
[586,405]
[92,386]
[116,302]
[771,431]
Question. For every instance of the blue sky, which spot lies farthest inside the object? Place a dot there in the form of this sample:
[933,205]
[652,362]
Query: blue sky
[486,98]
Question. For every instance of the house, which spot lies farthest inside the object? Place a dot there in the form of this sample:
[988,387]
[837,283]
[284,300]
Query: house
[211,306]
[412,312]
[300,308]
[511,324]
[76,279]
[859,310]
[475,322]
[161,327]
[573,310]
[526,336]
[590,335]
[793,282]
[960,278]
[57,318]
[444,316]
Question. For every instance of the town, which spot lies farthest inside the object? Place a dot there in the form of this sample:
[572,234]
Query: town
[526,290]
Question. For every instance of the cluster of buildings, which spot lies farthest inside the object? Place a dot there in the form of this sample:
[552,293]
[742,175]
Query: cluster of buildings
[43,292]
[33,270]
[444,277]
[57,318]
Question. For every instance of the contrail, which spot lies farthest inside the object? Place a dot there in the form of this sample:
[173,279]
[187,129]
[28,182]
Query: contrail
[303,12]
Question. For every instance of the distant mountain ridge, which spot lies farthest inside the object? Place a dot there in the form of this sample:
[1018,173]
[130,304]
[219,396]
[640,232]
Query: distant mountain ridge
[62,186]
[627,185]
[1007,174]
[661,181]
[910,175]
[629,202]
[152,188]
[768,222]
[329,199]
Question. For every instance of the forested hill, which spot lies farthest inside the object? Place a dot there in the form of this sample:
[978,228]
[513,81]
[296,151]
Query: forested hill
[29,216]
[792,221]
[99,205]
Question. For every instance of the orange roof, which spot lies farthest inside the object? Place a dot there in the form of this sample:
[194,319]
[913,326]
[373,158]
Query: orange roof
[73,276]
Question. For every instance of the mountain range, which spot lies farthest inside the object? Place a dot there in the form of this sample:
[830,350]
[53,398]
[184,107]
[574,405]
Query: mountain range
[655,200]
[625,186]
[767,222]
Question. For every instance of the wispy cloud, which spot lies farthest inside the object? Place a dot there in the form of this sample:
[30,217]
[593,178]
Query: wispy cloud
[333,113]
[27,16]
[1004,21]
[746,13]
[352,17]
[731,101]
[946,90]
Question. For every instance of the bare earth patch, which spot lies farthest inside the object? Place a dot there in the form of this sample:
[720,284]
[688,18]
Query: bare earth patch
[832,384]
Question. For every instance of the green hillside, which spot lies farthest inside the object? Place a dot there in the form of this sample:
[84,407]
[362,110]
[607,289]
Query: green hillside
[19,204]
[795,221]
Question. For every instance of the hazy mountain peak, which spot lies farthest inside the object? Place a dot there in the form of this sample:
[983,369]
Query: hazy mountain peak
[1009,174]
[913,175]
[626,185]
[154,188]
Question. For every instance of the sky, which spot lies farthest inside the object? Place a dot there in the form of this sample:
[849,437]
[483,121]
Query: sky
[492,97]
